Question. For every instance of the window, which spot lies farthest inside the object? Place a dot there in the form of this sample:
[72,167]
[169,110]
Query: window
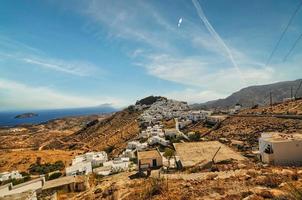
[268,149]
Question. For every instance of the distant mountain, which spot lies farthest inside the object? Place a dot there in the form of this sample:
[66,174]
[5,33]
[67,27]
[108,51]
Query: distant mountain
[253,95]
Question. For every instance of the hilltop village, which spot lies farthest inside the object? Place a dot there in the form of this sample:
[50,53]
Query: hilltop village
[163,149]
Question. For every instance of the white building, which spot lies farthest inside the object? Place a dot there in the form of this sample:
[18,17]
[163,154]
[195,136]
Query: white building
[118,164]
[172,132]
[136,145]
[104,171]
[96,158]
[157,140]
[79,168]
[33,185]
[281,149]
[4,176]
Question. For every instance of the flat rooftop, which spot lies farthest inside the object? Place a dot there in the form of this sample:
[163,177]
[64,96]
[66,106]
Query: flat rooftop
[192,153]
[148,154]
[276,137]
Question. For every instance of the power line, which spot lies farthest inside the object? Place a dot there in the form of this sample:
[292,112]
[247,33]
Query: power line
[293,47]
[298,89]
[283,33]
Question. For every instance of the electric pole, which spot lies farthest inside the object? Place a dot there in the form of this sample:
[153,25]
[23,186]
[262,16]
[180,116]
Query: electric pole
[270,99]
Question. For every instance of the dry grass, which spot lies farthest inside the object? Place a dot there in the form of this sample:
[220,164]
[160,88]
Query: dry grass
[21,160]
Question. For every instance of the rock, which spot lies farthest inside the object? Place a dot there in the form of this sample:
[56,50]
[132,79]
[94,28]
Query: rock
[266,194]
[211,176]
[287,172]
[98,190]
[223,140]
[241,166]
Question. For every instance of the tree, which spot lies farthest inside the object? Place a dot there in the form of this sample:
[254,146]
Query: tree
[169,153]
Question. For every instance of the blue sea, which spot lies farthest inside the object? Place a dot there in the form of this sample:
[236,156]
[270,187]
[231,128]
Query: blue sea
[7,118]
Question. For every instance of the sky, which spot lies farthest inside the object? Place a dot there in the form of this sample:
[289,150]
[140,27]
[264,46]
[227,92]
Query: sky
[80,53]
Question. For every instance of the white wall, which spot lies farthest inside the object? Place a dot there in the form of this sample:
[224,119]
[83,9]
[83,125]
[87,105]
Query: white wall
[288,153]
[31,185]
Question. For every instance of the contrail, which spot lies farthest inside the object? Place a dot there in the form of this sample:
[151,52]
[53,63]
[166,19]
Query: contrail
[216,36]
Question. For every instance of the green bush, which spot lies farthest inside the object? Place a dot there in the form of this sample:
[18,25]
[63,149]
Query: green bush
[38,168]
[194,137]
[54,175]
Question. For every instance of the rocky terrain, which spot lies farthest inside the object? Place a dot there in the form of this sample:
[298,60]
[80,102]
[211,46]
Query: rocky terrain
[22,145]
[110,134]
[21,160]
[36,136]
[229,180]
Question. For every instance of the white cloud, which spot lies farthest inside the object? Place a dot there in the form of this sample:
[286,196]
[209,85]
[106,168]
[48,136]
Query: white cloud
[195,71]
[195,56]
[194,95]
[79,68]
[15,95]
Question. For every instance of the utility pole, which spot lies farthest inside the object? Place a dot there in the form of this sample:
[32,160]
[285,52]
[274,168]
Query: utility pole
[291,92]
[270,99]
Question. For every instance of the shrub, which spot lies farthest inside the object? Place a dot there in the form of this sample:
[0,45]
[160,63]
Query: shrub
[54,175]
[109,149]
[38,168]
[194,137]
[154,186]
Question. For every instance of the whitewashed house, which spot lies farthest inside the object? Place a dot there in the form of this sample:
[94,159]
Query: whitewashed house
[104,171]
[4,176]
[128,153]
[172,132]
[157,140]
[79,168]
[118,164]
[136,145]
[96,158]
[281,149]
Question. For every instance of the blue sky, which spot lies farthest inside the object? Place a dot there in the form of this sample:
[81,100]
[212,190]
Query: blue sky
[56,54]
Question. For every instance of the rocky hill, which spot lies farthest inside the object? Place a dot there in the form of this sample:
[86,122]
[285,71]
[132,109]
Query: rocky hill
[259,94]
[110,134]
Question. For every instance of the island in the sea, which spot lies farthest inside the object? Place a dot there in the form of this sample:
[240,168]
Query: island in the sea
[26,115]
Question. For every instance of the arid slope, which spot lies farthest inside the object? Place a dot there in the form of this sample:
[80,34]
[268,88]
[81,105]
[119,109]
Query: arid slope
[110,134]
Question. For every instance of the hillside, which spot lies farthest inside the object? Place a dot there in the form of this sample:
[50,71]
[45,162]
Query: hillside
[253,95]
[109,134]
[21,160]
[36,136]
[247,126]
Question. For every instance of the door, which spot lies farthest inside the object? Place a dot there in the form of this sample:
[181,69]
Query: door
[154,163]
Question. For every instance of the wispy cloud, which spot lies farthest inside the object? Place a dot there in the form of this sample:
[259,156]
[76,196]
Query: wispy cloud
[216,35]
[78,68]
[14,50]
[197,72]
[212,70]
[16,95]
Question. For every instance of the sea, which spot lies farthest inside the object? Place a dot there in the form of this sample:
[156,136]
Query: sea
[7,118]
